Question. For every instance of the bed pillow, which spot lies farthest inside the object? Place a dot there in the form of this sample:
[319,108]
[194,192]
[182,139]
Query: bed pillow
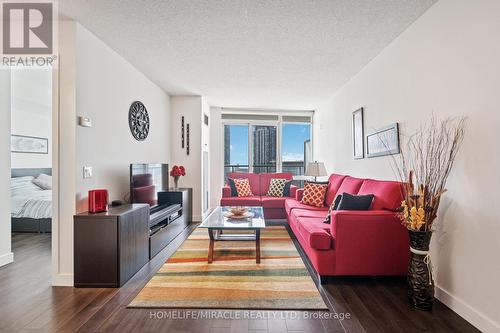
[43,181]
[23,186]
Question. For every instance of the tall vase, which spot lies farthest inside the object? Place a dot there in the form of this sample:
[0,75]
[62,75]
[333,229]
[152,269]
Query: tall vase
[420,281]
[176,182]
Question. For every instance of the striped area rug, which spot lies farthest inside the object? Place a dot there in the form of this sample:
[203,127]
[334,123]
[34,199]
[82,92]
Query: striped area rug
[233,280]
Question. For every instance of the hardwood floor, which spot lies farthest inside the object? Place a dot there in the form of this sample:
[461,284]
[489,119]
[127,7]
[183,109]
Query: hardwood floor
[30,304]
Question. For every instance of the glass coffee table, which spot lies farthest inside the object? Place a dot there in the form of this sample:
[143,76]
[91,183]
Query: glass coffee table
[218,222]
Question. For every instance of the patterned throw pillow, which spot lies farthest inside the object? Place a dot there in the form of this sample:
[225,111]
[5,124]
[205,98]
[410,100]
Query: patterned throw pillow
[314,194]
[243,187]
[276,187]
[333,206]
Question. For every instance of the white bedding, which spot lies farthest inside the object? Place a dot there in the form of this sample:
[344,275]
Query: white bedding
[30,201]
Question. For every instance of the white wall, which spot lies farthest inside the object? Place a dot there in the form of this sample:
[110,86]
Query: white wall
[191,107]
[6,255]
[216,156]
[205,149]
[31,114]
[447,64]
[96,82]
[106,86]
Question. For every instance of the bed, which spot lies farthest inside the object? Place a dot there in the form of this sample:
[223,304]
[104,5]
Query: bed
[31,205]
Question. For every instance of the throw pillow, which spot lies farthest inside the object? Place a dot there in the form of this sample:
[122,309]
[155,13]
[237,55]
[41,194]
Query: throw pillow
[286,190]
[43,181]
[276,187]
[355,202]
[333,206]
[314,194]
[243,187]
[234,191]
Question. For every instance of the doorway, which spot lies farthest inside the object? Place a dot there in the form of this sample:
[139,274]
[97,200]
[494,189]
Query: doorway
[31,147]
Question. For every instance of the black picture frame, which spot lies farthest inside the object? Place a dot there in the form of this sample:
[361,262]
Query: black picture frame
[187,140]
[16,141]
[383,142]
[358,133]
[182,132]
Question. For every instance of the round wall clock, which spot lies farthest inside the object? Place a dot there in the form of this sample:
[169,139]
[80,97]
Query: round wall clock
[138,121]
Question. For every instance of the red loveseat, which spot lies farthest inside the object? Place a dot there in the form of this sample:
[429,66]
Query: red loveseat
[274,207]
[369,242]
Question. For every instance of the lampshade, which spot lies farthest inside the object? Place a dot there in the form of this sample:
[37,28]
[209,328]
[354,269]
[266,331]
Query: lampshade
[316,169]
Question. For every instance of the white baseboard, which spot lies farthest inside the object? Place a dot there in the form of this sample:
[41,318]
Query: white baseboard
[197,218]
[6,259]
[473,316]
[62,280]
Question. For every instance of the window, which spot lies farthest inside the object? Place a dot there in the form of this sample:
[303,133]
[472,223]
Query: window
[295,147]
[235,148]
[262,143]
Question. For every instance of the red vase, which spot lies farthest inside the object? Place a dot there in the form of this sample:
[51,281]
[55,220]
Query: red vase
[98,201]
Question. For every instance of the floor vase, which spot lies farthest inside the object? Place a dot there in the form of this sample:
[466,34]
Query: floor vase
[420,281]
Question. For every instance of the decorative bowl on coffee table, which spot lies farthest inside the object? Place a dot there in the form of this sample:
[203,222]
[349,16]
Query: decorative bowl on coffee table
[237,211]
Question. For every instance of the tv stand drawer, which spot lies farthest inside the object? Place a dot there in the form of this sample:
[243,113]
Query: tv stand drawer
[165,235]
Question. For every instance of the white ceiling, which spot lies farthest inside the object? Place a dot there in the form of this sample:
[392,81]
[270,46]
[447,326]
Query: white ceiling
[287,54]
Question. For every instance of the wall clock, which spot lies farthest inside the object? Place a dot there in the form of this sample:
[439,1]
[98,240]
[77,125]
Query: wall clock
[138,121]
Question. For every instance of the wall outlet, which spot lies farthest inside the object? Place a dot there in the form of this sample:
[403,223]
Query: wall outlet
[87,172]
[84,121]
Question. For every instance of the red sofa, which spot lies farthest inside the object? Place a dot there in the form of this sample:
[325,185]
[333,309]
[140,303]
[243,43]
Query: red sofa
[274,207]
[369,242]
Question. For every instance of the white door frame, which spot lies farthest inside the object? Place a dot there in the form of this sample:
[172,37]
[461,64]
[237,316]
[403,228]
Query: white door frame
[64,155]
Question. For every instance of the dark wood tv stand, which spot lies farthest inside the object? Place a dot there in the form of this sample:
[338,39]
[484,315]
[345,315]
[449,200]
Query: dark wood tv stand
[110,247]
[160,238]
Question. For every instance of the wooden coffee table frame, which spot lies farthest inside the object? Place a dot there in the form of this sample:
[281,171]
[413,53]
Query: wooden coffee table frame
[216,235]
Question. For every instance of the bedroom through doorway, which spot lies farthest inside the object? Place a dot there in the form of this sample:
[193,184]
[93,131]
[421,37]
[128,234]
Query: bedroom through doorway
[31,165]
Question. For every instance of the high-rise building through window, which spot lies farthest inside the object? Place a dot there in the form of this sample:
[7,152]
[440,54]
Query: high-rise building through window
[264,149]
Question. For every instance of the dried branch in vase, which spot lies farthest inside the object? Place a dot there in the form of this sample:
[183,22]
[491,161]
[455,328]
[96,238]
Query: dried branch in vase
[424,165]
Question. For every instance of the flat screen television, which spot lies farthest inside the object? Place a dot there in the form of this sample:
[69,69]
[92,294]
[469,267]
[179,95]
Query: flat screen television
[146,180]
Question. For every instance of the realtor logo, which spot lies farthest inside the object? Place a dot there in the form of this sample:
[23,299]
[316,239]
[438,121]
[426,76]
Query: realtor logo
[27,27]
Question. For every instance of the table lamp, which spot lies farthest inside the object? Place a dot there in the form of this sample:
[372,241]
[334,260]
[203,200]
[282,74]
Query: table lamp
[316,169]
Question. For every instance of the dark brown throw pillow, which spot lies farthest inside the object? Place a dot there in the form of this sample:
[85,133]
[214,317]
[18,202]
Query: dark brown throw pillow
[286,190]
[234,191]
[355,202]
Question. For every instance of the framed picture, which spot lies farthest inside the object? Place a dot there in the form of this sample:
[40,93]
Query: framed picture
[188,148]
[28,144]
[384,141]
[182,132]
[358,148]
